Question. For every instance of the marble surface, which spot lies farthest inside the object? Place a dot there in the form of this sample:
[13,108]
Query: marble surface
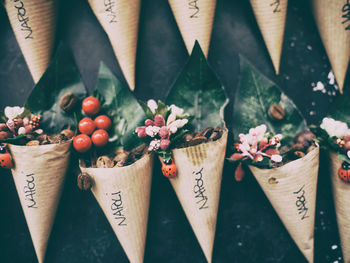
[248,229]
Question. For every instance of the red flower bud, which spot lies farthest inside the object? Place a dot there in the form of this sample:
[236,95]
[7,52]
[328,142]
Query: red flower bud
[149,122]
[239,173]
[141,131]
[164,144]
[159,120]
[237,156]
[163,132]
[272,151]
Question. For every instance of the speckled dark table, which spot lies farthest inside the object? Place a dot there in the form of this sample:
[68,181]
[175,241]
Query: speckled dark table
[248,229]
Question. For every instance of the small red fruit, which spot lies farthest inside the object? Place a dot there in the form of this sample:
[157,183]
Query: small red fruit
[91,105]
[103,122]
[87,126]
[5,161]
[82,143]
[169,169]
[100,138]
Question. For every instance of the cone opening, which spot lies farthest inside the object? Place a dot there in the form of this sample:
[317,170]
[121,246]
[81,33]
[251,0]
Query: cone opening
[44,146]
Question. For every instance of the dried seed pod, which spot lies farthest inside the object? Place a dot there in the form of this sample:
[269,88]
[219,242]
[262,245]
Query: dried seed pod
[44,139]
[276,112]
[299,154]
[215,135]
[33,143]
[197,140]
[121,156]
[4,135]
[104,162]
[207,132]
[55,139]
[68,101]
[68,133]
[138,151]
[84,181]
[120,163]
[187,137]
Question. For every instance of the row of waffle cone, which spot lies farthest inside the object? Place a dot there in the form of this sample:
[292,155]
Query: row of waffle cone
[123,193]
[35,29]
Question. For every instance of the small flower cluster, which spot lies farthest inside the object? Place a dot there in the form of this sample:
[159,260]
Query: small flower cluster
[339,134]
[258,145]
[162,126]
[15,125]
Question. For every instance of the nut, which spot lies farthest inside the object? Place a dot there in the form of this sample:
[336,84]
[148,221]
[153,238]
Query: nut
[272,180]
[44,139]
[207,132]
[68,101]
[215,135]
[104,162]
[68,133]
[299,154]
[276,112]
[33,143]
[84,181]
[121,156]
[188,137]
[197,140]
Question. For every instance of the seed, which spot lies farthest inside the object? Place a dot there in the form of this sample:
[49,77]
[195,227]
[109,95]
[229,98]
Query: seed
[276,112]
[273,180]
[33,143]
[121,156]
[84,181]
[68,101]
[68,133]
[104,162]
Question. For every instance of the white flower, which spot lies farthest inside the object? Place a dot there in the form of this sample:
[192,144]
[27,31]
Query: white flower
[152,104]
[276,158]
[334,128]
[39,131]
[171,118]
[21,130]
[177,124]
[154,145]
[152,130]
[176,110]
[348,154]
[13,112]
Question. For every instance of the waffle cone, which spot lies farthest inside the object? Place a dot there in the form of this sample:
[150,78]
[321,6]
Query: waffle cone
[286,187]
[123,193]
[335,35]
[120,20]
[198,166]
[341,195]
[39,173]
[34,25]
[271,19]
[195,21]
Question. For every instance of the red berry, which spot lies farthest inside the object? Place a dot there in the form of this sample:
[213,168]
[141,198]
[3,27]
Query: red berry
[169,170]
[5,161]
[82,143]
[91,106]
[103,122]
[87,126]
[100,138]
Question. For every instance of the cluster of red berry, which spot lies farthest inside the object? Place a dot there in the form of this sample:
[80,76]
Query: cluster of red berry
[96,128]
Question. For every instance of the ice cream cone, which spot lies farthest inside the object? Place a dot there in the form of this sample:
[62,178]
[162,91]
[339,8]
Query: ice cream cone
[271,18]
[123,193]
[120,20]
[334,27]
[341,195]
[39,173]
[195,21]
[34,25]
[291,190]
[197,186]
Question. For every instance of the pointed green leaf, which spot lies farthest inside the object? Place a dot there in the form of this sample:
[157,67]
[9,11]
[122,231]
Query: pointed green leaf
[255,95]
[121,106]
[62,76]
[199,92]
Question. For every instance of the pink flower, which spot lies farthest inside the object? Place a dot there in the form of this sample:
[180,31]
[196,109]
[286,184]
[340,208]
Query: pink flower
[164,144]
[159,120]
[163,132]
[141,131]
[149,122]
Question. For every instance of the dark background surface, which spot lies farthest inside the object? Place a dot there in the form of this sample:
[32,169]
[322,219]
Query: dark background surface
[248,229]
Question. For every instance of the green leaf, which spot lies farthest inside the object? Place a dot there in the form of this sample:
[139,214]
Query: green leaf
[255,95]
[122,107]
[147,110]
[162,109]
[199,92]
[340,108]
[62,76]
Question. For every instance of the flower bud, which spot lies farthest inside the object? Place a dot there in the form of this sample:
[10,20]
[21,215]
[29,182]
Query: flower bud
[141,131]
[149,122]
[159,120]
[164,144]
[163,132]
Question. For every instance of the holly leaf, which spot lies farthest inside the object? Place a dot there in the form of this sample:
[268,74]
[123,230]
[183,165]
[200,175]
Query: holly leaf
[122,107]
[199,92]
[61,76]
[255,95]
[340,108]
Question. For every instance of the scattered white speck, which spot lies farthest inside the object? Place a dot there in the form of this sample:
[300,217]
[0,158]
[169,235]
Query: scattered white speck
[312,84]
[309,47]
[336,87]
[331,78]
[319,87]
[292,44]
[334,247]
[329,93]
[238,226]
[287,77]
[312,70]
[333,93]
[321,212]
[339,258]
[239,244]
[312,113]
[336,261]
[313,104]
